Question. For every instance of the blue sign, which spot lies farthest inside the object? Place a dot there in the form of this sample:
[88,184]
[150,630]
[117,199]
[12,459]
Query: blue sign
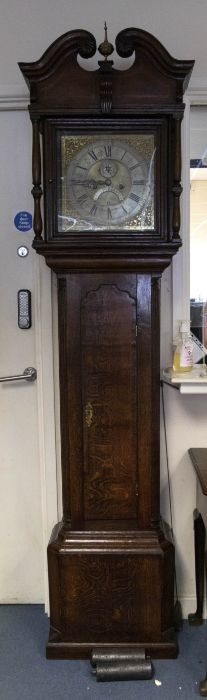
[23,221]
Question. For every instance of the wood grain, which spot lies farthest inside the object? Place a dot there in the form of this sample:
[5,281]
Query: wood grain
[108,344]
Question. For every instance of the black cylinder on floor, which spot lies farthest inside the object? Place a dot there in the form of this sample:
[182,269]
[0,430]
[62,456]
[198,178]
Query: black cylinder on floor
[116,654]
[124,671]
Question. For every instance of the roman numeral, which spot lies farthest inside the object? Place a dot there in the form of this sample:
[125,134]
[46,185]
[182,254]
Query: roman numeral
[107,150]
[93,155]
[93,210]
[82,198]
[134,196]
[133,167]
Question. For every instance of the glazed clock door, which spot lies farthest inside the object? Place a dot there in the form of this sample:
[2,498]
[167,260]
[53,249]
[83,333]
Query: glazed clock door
[104,181]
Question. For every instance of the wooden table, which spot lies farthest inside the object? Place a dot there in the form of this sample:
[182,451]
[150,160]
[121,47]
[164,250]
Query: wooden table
[198,457]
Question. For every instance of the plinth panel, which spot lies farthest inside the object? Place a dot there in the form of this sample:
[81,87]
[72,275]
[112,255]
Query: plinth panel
[110,593]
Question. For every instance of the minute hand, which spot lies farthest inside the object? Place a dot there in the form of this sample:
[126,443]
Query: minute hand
[92,184]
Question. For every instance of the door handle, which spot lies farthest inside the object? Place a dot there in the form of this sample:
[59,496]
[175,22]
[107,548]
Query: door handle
[30,374]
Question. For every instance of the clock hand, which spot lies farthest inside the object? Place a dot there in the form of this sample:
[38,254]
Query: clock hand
[85,183]
[97,183]
[92,184]
[106,182]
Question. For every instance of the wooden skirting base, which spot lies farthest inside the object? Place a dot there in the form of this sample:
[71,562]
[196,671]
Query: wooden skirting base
[111,588]
[166,649]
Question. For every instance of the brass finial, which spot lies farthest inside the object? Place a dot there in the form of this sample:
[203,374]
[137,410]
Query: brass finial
[105,48]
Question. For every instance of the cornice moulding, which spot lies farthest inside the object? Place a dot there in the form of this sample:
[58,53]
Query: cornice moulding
[13,98]
[197,89]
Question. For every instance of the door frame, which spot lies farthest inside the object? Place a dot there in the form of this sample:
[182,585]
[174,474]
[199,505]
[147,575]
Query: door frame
[47,423]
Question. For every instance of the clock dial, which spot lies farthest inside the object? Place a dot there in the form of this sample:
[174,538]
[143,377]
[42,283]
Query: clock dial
[108,183]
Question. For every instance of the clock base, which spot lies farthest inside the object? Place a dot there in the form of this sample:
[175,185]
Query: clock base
[166,649]
[112,588]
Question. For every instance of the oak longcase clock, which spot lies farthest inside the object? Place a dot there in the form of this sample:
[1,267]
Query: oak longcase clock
[111,183]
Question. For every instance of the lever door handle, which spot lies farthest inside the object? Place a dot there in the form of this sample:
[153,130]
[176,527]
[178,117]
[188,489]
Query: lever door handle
[30,374]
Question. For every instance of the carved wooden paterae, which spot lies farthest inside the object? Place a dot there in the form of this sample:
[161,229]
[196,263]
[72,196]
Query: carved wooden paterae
[111,181]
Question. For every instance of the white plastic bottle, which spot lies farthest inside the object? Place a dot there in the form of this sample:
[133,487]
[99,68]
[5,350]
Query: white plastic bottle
[183,355]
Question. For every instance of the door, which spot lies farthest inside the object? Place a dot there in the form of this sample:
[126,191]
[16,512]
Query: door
[106,390]
[109,397]
[27,510]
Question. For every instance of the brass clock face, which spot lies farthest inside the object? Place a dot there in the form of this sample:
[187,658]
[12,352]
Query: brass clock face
[107,182]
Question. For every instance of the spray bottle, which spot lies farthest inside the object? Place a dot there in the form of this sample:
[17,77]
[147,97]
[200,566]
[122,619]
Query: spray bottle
[183,355]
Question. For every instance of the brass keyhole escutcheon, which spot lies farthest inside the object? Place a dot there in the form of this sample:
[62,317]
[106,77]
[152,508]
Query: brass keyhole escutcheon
[88,414]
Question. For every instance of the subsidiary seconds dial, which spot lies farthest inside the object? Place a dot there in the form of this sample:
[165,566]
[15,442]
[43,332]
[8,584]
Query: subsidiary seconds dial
[108,182]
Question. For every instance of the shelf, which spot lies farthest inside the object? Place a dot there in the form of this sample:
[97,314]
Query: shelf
[193,382]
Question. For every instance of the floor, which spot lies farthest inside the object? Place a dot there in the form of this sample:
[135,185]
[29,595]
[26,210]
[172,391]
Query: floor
[25,674]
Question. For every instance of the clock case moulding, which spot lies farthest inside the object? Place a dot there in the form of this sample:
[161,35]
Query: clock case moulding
[111,577]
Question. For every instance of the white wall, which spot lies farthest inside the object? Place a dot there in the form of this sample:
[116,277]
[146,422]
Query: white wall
[26,29]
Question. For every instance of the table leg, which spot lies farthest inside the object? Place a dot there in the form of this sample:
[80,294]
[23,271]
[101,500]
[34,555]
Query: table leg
[203,687]
[203,684]
[199,543]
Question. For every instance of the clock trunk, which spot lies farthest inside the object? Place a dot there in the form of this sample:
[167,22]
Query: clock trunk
[111,565]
